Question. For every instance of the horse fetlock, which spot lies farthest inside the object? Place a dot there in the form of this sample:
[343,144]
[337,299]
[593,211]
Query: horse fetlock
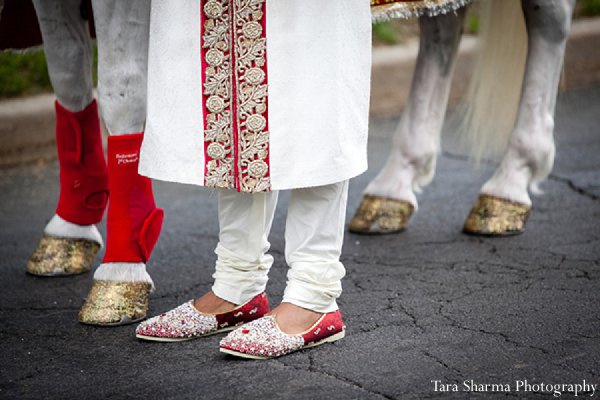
[424,171]
[536,152]
[508,185]
[405,174]
[58,227]
[419,155]
[394,181]
[526,162]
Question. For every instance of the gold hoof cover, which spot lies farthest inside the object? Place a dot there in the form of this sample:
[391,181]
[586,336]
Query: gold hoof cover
[115,303]
[381,215]
[56,256]
[493,216]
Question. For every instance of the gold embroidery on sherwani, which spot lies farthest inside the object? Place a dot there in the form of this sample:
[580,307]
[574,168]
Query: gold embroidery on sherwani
[235,95]
[250,63]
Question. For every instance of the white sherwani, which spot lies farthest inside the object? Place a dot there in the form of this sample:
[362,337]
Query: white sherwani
[257,95]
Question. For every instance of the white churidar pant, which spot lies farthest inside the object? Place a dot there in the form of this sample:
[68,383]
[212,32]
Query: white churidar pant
[314,234]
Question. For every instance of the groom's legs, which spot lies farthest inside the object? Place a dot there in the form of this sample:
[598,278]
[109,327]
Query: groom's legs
[242,263]
[314,236]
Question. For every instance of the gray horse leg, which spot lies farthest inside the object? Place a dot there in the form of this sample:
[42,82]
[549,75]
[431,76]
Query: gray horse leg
[390,198]
[68,51]
[530,154]
[529,158]
[122,29]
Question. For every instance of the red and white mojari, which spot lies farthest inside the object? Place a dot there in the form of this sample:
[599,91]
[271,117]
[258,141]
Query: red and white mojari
[262,339]
[186,322]
[259,96]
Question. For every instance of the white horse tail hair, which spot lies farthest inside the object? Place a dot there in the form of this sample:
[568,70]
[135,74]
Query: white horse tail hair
[487,115]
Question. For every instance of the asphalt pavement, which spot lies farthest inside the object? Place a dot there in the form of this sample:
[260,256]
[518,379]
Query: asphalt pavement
[425,309]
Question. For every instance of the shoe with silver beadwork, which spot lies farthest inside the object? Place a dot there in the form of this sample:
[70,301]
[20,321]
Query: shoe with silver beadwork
[186,322]
[263,339]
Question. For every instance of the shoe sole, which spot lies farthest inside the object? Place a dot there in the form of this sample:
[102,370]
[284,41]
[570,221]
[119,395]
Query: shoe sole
[330,339]
[167,340]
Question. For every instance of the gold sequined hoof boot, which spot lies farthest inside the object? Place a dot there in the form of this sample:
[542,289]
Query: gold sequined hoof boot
[55,256]
[493,216]
[379,215]
[111,303]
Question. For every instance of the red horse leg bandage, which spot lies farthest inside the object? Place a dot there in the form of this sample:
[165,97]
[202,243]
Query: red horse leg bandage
[134,222]
[83,175]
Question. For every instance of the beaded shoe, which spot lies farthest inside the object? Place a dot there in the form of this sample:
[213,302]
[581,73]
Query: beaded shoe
[186,322]
[262,339]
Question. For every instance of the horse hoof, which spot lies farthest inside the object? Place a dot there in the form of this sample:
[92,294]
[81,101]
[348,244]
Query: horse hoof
[493,216]
[112,303]
[378,215]
[56,256]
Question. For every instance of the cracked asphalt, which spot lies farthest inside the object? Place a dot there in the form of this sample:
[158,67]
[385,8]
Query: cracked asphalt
[428,304]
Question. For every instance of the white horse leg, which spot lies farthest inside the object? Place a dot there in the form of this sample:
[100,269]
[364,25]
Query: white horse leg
[121,286]
[71,239]
[67,48]
[122,30]
[504,203]
[390,198]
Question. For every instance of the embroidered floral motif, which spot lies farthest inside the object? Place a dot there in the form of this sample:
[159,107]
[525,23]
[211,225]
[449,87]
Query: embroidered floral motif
[212,9]
[216,151]
[214,57]
[250,55]
[216,77]
[235,95]
[257,168]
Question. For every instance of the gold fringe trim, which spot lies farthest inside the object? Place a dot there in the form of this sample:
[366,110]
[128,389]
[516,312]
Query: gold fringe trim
[384,10]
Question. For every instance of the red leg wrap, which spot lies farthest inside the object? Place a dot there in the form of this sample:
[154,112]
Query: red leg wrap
[83,174]
[134,222]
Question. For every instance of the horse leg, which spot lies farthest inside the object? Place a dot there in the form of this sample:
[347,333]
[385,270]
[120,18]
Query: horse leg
[119,294]
[71,239]
[389,199]
[504,203]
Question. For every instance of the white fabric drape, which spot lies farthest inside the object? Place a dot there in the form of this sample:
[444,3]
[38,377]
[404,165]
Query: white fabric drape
[318,62]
